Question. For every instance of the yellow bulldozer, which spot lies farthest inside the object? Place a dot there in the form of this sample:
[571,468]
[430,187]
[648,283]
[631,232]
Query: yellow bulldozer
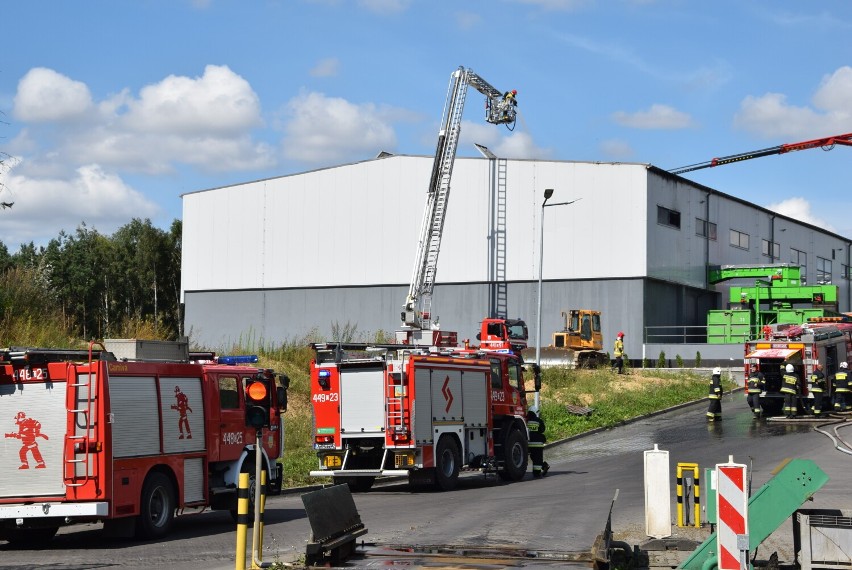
[578,345]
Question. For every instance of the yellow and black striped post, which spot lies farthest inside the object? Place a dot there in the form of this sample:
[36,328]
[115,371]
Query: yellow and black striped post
[693,467]
[242,520]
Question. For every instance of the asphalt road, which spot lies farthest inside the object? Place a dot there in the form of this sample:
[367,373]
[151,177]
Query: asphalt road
[545,522]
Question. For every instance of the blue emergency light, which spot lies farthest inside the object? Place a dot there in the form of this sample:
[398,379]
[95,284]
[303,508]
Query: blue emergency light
[239,359]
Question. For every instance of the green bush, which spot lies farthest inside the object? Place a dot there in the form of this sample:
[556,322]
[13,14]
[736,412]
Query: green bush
[698,359]
[661,361]
[679,361]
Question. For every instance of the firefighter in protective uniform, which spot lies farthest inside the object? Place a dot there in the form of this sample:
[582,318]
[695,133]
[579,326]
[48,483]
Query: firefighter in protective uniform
[790,389]
[817,389]
[618,353]
[841,388]
[754,386]
[714,409]
[536,427]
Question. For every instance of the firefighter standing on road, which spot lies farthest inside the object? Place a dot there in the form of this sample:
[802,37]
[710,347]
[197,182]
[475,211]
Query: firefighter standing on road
[841,388]
[790,389]
[536,427]
[618,353]
[817,389]
[754,386]
[714,410]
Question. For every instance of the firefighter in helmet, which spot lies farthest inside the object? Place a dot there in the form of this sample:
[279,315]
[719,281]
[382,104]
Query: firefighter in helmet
[754,386]
[714,409]
[841,388]
[790,389]
[817,388]
[509,100]
[618,353]
[536,427]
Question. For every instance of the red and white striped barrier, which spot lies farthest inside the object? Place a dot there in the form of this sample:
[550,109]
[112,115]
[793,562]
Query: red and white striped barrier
[732,512]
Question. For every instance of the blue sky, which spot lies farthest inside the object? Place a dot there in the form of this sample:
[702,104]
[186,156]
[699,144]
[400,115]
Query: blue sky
[112,110]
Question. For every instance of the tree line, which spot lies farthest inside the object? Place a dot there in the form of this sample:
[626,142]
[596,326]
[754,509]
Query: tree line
[91,286]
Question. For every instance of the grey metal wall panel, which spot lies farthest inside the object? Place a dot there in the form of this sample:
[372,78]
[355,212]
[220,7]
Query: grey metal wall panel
[182,409]
[193,480]
[31,449]
[135,416]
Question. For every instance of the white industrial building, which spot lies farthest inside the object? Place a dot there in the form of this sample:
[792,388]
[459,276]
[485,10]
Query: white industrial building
[278,259]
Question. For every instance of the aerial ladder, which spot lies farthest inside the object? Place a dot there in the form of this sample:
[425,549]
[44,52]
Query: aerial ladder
[825,144]
[499,110]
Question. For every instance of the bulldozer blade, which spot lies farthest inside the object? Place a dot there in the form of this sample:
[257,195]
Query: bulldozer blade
[566,358]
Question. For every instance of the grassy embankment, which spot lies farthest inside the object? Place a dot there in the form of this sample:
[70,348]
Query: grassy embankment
[614,398]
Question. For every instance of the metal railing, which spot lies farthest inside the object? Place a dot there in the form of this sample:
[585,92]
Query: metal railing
[676,334]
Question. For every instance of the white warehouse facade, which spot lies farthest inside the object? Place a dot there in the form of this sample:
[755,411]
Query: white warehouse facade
[281,259]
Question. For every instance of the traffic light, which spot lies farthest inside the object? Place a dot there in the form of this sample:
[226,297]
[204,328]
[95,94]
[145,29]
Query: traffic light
[258,401]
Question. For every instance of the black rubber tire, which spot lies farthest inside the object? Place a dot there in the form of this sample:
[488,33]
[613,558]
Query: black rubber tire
[515,456]
[356,484]
[157,507]
[447,464]
[29,537]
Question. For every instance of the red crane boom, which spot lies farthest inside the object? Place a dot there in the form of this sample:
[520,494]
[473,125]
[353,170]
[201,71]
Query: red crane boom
[824,143]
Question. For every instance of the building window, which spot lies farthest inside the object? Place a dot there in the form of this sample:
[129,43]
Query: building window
[705,229]
[845,271]
[823,268]
[739,239]
[774,252]
[800,258]
[668,217]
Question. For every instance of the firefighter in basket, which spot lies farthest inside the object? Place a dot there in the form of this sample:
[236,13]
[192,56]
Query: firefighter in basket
[536,427]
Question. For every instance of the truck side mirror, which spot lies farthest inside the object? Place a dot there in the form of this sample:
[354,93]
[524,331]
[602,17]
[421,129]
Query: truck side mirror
[537,377]
[478,336]
[281,394]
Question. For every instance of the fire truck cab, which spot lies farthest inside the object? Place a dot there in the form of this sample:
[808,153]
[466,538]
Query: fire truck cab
[129,442]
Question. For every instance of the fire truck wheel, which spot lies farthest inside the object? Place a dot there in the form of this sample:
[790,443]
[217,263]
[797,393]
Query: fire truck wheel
[447,464]
[27,537]
[157,509]
[514,456]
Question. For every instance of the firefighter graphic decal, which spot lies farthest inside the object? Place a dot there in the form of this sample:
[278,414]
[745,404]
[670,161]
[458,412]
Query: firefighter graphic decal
[29,430]
[182,406]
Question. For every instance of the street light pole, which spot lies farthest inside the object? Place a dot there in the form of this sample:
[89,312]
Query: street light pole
[547,194]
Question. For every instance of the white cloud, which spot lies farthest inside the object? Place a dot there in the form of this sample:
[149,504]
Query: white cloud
[385,6]
[503,143]
[322,129]
[467,20]
[656,117]
[771,116]
[557,5]
[49,205]
[327,67]
[616,149]
[219,102]
[45,95]
[800,209]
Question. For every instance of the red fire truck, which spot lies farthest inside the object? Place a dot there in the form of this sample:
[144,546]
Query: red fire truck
[398,410]
[826,343]
[130,442]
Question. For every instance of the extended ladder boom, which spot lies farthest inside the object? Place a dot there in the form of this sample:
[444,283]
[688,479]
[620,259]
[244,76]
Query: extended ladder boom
[498,111]
[825,144]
